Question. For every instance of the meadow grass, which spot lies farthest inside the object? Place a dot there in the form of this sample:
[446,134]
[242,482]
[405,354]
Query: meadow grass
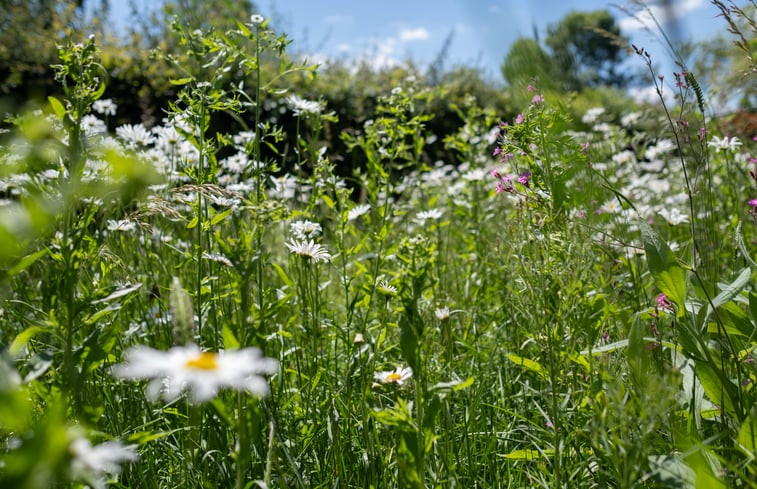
[574,310]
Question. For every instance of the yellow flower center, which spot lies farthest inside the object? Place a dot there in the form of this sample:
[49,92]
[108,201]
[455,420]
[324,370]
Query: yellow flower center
[393,377]
[204,361]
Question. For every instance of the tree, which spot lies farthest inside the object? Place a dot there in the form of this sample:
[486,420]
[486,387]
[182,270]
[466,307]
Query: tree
[527,62]
[586,49]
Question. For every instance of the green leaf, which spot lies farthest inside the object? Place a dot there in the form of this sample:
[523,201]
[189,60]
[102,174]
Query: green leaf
[531,365]
[747,439]
[668,274]
[57,106]
[119,293]
[24,337]
[732,290]
[672,472]
[181,81]
[220,217]
[193,223]
[527,454]
[26,262]
[230,341]
[719,392]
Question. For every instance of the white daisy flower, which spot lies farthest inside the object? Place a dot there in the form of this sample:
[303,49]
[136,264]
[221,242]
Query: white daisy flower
[397,376]
[135,135]
[203,373]
[387,289]
[442,313]
[124,225]
[725,144]
[662,147]
[358,211]
[309,249]
[423,216]
[592,114]
[94,464]
[305,229]
[673,216]
[300,106]
[104,106]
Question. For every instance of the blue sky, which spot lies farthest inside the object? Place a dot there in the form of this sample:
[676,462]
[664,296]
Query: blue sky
[386,32]
[390,31]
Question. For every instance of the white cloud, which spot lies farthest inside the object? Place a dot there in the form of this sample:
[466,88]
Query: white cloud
[417,34]
[644,18]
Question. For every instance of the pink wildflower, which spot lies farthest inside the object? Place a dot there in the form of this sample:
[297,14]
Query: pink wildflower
[520,119]
[497,151]
[523,178]
[664,303]
[752,203]
[530,88]
[702,133]
[505,184]
[585,147]
[537,99]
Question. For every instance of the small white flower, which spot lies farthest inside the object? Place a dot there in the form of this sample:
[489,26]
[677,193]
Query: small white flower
[243,138]
[300,106]
[256,19]
[630,119]
[309,249]
[203,373]
[305,229]
[423,216]
[662,147]
[442,313]
[592,114]
[123,225]
[104,106]
[358,211]
[93,463]
[624,157]
[387,289]
[134,135]
[397,376]
[673,216]
[725,144]
[91,125]
[612,207]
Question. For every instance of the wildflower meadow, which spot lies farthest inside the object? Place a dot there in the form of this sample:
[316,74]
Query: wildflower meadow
[244,291]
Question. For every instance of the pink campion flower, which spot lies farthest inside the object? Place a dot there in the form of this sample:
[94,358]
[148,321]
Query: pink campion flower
[497,151]
[702,133]
[495,173]
[520,119]
[753,160]
[505,184]
[752,203]
[530,88]
[664,303]
[523,178]
[537,99]
[506,157]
